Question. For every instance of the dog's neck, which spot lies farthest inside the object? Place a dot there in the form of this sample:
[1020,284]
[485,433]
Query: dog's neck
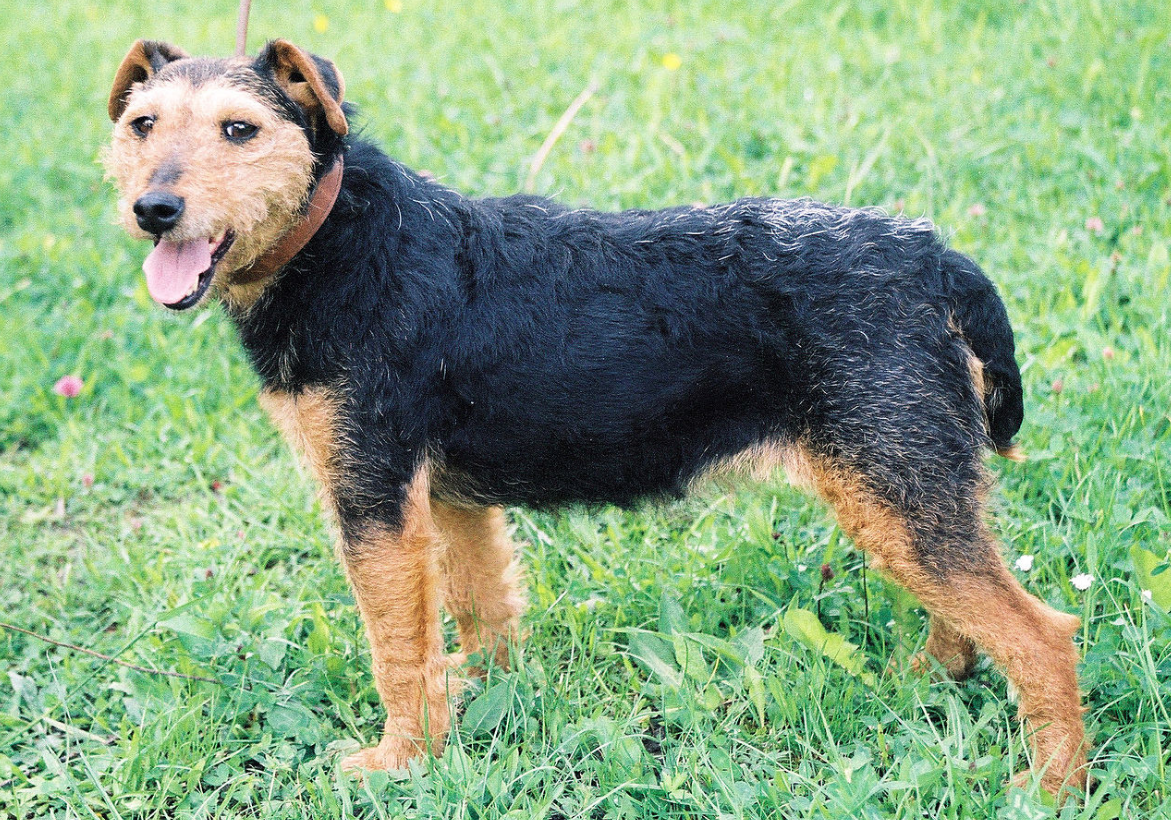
[301,325]
[320,205]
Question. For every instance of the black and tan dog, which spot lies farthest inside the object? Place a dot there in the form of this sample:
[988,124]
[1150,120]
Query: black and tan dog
[435,357]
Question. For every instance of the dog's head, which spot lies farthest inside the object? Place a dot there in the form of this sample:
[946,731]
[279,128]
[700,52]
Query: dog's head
[214,159]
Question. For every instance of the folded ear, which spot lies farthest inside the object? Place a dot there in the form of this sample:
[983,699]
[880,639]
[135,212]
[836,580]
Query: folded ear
[312,82]
[145,58]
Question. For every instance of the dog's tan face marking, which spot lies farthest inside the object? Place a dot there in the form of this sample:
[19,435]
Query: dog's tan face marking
[236,163]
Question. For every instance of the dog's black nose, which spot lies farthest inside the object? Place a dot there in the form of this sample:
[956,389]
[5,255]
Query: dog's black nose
[157,212]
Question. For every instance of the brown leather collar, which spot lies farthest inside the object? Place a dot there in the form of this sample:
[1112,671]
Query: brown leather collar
[320,204]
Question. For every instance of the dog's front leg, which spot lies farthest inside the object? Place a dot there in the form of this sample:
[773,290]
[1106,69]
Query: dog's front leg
[397,581]
[393,563]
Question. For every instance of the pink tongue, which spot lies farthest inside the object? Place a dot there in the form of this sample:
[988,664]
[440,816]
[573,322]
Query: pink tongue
[173,268]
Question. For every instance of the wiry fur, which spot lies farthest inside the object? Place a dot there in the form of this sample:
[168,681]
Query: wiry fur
[436,357]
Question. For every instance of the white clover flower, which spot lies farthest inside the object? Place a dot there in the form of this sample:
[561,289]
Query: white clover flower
[1082,582]
[1024,563]
[1148,596]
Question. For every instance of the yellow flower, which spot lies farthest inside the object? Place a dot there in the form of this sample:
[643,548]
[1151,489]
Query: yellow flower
[320,23]
[672,61]
[394,6]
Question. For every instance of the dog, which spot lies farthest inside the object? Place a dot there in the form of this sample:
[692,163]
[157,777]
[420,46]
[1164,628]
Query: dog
[434,358]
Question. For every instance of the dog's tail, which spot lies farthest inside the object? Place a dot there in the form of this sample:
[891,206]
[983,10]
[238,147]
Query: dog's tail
[983,322]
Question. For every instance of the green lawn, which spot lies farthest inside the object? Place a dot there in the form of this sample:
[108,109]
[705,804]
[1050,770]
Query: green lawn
[673,668]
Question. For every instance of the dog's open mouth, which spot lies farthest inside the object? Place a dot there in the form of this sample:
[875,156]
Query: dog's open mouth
[179,273]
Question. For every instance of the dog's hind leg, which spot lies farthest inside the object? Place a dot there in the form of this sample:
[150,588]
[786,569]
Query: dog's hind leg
[943,553]
[396,577]
[482,579]
[955,653]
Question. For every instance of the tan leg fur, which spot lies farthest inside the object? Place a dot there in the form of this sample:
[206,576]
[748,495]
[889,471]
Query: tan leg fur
[397,579]
[987,608]
[482,579]
[951,650]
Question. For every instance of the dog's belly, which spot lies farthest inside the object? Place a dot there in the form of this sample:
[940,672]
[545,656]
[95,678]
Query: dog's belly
[615,447]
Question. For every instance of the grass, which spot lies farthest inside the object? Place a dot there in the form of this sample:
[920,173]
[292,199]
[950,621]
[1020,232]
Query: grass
[675,665]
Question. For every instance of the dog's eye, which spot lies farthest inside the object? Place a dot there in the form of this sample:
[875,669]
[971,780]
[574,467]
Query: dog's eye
[239,131]
[141,126]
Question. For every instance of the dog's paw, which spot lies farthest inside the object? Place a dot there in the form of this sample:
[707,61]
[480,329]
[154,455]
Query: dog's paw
[391,755]
[1057,783]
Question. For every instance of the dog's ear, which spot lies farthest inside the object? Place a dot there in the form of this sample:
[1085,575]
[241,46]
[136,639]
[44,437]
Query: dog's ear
[145,58]
[312,82]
